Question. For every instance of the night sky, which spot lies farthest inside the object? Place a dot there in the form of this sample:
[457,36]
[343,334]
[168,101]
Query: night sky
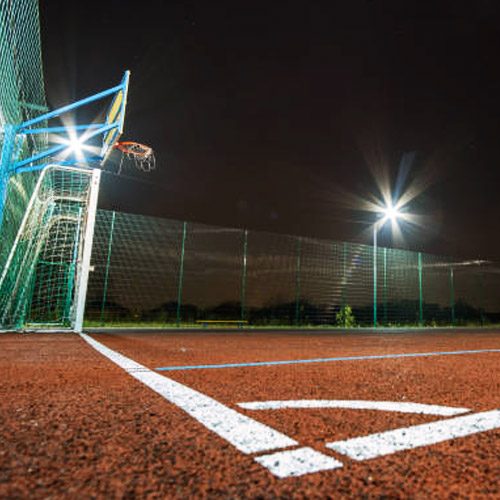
[271,116]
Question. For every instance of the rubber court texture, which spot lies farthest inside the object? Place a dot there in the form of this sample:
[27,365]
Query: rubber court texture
[250,414]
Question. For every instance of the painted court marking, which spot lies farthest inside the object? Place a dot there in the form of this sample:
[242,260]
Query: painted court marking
[252,437]
[241,431]
[406,407]
[324,360]
[244,433]
[297,462]
[407,438]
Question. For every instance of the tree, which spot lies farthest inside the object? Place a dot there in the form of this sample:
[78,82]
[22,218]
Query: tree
[345,317]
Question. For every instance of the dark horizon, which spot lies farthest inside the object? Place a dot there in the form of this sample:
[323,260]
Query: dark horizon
[269,117]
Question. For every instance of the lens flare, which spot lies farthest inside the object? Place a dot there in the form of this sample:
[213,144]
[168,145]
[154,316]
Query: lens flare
[390,213]
[77,145]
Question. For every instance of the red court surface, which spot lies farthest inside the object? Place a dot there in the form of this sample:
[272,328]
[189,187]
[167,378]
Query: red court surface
[79,421]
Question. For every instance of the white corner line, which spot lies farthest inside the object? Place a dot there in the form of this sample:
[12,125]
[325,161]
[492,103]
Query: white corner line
[395,406]
[407,438]
[293,463]
[244,433]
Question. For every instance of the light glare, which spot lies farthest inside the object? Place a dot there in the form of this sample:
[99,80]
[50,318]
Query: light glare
[391,213]
[75,145]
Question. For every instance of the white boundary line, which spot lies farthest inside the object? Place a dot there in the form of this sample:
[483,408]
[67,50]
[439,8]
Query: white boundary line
[407,438]
[244,433]
[241,431]
[297,462]
[406,407]
[250,436]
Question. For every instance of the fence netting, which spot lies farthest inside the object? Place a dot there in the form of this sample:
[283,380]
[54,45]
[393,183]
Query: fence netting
[152,272]
[22,97]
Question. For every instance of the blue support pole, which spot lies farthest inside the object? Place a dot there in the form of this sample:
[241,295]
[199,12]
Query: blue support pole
[60,147]
[92,130]
[57,130]
[5,161]
[77,104]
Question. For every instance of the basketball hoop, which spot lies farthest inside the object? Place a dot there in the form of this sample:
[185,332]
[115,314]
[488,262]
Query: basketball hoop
[142,155]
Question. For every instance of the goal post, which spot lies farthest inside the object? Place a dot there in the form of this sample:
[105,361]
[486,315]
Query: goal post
[86,251]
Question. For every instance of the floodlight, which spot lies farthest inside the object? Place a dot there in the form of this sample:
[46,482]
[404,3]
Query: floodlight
[391,213]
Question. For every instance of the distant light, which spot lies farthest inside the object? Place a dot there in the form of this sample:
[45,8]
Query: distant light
[391,212]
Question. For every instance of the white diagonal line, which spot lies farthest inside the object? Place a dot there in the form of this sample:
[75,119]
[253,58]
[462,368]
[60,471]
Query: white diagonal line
[246,434]
[385,443]
[291,463]
[403,407]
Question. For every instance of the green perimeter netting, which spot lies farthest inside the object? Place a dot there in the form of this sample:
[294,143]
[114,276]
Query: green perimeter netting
[22,94]
[150,271]
[22,97]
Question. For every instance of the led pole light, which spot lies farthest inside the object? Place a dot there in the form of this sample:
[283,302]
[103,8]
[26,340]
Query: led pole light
[390,212]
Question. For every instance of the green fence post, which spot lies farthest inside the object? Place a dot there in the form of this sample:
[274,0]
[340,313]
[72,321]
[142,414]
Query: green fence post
[452,296]
[420,291]
[375,276]
[181,273]
[297,282]
[385,286]
[244,275]
[108,261]
[481,297]
[344,274]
